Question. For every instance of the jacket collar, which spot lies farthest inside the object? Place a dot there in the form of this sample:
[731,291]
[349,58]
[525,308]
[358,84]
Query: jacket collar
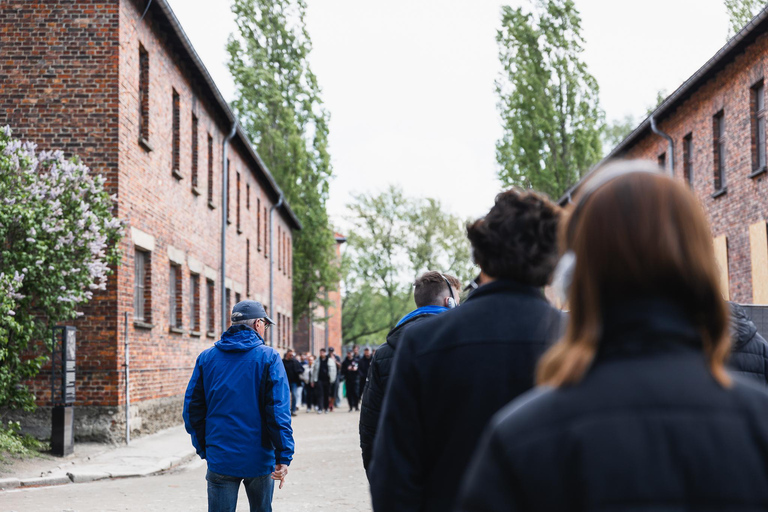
[424,310]
[239,338]
[505,286]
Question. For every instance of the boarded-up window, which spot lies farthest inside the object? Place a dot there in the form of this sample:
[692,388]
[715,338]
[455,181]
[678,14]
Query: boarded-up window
[758,248]
[211,305]
[688,159]
[176,135]
[721,255]
[194,153]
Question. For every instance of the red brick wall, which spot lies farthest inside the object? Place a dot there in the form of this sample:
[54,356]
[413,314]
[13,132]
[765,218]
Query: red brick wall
[746,201]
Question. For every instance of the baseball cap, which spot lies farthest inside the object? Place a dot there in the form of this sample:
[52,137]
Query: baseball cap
[248,310]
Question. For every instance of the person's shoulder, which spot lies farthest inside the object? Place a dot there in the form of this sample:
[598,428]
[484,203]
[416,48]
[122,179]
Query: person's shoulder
[750,392]
[536,413]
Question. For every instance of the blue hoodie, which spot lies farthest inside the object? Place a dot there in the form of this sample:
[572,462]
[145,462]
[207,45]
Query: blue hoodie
[237,406]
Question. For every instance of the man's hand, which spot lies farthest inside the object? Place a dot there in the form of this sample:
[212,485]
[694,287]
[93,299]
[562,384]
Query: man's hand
[281,470]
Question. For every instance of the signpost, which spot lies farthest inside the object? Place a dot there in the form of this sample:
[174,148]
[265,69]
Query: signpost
[63,364]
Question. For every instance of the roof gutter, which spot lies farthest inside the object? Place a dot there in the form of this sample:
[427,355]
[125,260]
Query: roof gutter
[671,164]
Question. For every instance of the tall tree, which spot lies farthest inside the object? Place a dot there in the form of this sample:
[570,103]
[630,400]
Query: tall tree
[548,100]
[740,12]
[278,101]
[616,131]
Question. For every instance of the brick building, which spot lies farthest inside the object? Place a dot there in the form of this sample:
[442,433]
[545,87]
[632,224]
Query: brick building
[118,83]
[716,125]
[326,329]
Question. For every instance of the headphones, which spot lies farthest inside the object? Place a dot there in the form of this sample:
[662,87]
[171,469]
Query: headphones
[563,274]
[451,299]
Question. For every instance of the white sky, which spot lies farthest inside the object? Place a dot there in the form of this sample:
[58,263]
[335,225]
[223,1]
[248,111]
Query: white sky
[410,83]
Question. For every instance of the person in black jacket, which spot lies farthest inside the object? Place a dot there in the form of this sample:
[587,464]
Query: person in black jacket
[638,412]
[443,388]
[293,370]
[749,355]
[365,365]
[432,295]
[350,373]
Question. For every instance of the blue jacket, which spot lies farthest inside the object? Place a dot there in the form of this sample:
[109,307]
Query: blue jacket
[237,406]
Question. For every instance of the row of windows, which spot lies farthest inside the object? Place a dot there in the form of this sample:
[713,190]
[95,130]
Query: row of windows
[142,298]
[719,145]
[262,231]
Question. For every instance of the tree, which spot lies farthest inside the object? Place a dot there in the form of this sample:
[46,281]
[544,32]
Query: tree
[741,12]
[616,131]
[278,101]
[548,100]
[392,240]
[59,239]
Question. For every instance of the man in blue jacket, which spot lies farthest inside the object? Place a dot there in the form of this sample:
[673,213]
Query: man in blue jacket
[237,411]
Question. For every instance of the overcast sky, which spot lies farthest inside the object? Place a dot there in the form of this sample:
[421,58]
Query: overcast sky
[410,83]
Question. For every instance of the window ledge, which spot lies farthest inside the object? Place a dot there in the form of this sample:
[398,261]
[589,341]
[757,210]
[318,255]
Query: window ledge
[211,334]
[144,143]
[196,191]
[176,330]
[211,205]
[758,172]
[177,174]
[196,334]
[720,192]
[229,221]
[239,231]
[142,325]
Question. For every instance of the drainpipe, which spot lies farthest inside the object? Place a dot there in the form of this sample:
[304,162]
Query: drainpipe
[272,266]
[327,336]
[671,166]
[224,185]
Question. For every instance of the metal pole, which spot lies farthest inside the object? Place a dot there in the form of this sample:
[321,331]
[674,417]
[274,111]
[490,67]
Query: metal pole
[224,185]
[272,267]
[127,387]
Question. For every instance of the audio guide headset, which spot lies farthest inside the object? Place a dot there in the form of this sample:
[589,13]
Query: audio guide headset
[451,299]
[563,275]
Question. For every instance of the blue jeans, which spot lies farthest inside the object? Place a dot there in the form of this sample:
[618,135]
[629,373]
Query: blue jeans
[223,489]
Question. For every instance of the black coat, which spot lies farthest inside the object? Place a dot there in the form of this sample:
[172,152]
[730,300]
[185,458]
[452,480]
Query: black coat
[376,384]
[365,365]
[293,369]
[647,428]
[451,374]
[749,356]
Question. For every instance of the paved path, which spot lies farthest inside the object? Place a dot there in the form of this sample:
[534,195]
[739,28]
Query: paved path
[327,474]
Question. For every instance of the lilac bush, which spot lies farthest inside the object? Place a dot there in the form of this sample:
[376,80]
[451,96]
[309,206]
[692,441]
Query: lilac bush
[59,242]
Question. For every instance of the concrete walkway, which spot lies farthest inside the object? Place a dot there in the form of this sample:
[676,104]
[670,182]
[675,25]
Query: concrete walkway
[144,456]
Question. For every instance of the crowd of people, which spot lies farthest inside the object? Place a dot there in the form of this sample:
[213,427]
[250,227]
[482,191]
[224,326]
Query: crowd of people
[646,390]
[319,384]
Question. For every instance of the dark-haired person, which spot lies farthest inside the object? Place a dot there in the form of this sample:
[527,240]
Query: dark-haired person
[432,295]
[350,372]
[444,388]
[323,377]
[638,412]
[749,355]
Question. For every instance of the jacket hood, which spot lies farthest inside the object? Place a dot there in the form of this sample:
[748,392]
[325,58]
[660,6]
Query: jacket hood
[239,338]
[743,328]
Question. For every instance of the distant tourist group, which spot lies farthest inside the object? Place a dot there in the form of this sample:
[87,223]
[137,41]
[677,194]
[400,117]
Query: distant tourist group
[643,390]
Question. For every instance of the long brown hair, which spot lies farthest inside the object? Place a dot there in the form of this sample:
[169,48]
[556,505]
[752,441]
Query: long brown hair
[637,234]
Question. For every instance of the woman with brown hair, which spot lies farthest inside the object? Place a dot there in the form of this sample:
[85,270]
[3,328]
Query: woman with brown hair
[635,410]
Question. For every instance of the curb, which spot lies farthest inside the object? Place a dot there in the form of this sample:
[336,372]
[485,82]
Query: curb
[9,483]
[45,481]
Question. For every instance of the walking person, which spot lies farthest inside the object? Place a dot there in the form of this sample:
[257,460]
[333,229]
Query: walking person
[335,387]
[306,378]
[364,366]
[323,376]
[237,411]
[432,294]
[443,388]
[293,370]
[350,372]
[638,412]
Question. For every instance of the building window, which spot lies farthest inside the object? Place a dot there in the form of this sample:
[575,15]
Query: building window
[247,196]
[289,326]
[194,154]
[757,104]
[279,250]
[258,224]
[194,303]
[142,287]
[247,268]
[228,201]
[144,98]
[174,296]
[266,235]
[237,195]
[229,306]
[718,132]
[290,258]
[210,171]
[662,160]
[211,305]
[176,140]
[688,159]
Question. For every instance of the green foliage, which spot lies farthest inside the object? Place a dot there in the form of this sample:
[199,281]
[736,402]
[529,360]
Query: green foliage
[661,95]
[393,239]
[616,131]
[741,12]
[18,445]
[278,101]
[548,100]
[58,240]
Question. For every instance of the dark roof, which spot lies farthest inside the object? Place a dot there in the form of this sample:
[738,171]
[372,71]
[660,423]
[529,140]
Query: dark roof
[179,39]
[735,46]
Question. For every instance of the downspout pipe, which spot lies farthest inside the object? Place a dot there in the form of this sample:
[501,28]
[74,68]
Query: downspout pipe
[671,164]
[224,185]
[272,265]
